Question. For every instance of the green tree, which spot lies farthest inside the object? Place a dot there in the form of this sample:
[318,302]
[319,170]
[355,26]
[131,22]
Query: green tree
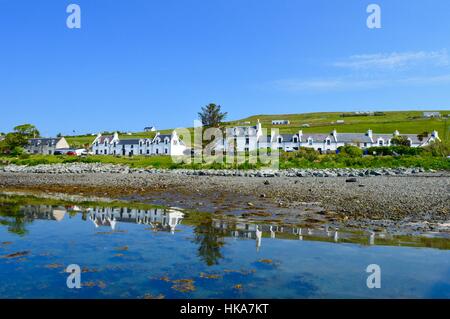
[28,130]
[400,141]
[211,115]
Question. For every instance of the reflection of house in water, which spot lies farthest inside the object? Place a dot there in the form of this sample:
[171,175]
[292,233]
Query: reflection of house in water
[159,219]
[46,212]
[256,232]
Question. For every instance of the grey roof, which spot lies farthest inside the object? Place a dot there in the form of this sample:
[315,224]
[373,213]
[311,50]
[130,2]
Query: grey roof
[316,137]
[415,139]
[353,137]
[44,141]
[133,141]
[163,136]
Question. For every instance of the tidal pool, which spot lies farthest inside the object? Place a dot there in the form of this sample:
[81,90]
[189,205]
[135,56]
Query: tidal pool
[139,251]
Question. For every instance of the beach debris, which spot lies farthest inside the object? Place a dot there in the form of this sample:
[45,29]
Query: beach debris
[184,285]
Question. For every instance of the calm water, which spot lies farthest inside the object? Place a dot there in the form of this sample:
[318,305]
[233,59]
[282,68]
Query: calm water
[153,252]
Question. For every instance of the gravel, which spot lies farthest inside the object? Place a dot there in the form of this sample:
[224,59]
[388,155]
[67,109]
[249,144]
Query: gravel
[403,199]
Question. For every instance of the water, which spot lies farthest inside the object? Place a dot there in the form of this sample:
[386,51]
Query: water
[149,252]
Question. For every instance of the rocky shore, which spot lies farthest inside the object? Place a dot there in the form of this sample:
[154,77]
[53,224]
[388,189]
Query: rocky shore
[401,200]
[83,168]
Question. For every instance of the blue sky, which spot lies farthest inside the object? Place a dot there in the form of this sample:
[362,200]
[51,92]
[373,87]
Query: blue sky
[136,63]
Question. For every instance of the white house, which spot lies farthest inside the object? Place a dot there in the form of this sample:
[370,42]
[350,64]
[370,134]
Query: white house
[161,144]
[431,114]
[280,122]
[46,146]
[161,219]
[252,138]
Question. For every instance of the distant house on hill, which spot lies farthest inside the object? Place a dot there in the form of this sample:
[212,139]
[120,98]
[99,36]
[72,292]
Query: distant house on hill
[431,114]
[46,145]
[161,144]
[150,129]
[280,122]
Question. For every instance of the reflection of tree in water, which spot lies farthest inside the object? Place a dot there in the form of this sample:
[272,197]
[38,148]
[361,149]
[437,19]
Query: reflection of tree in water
[210,240]
[14,219]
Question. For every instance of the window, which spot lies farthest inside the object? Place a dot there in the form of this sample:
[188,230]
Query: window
[295,140]
[310,142]
[247,140]
[148,151]
[365,144]
[148,143]
[166,141]
[157,151]
[166,151]
[280,140]
[380,142]
[140,144]
[132,146]
[140,152]
[96,152]
[328,142]
[106,152]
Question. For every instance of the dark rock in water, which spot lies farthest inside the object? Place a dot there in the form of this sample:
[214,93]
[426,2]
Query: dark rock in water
[16,255]
[266,182]
[351,180]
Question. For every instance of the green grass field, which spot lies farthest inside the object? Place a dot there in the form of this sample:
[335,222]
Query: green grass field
[407,122]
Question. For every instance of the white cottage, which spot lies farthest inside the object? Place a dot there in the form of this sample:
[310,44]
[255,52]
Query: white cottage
[252,138]
[161,144]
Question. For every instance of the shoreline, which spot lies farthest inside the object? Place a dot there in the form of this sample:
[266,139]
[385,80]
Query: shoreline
[404,202]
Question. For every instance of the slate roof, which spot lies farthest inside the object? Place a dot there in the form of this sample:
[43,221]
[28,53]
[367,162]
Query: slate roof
[353,137]
[102,138]
[317,137]
[43,141]
[131,141]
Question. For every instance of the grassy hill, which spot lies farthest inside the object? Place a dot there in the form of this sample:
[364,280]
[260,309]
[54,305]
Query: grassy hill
[408,122]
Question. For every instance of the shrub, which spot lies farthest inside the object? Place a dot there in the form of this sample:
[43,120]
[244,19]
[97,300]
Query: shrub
[438,148]
[307,153]
[17,151]
[350,151]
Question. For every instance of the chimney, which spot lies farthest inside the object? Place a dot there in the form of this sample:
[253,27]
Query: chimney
[370,133]
[435,134]
[396,133]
